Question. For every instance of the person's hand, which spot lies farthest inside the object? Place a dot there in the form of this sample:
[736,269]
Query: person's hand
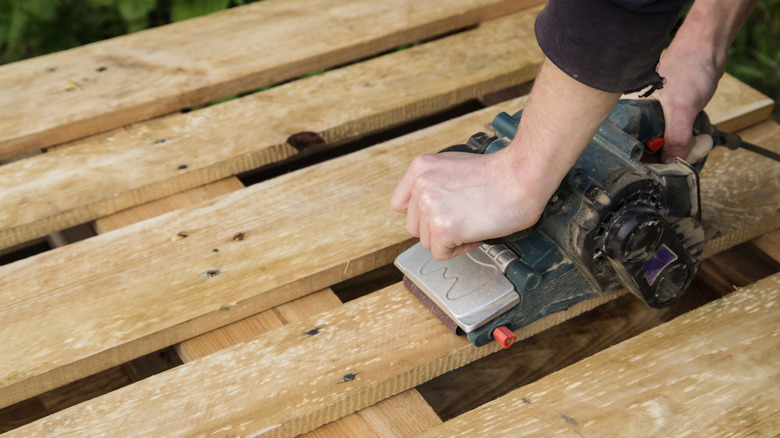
[454,200]
[691,80]
[693,64]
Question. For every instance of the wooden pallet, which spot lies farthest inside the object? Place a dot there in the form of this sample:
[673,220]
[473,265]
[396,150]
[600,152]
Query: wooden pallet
[196,304]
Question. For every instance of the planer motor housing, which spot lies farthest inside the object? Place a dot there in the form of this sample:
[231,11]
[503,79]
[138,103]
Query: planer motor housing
[615,222]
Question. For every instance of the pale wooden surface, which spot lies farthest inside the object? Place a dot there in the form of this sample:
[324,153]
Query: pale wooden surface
[401,415]
[711,372]
[770,244]
[147,74]
[369,349]
[363,352]
[103,174]
[729,203]
[185,199]
[158,288]
[75,289]
[86,331]
[754,107]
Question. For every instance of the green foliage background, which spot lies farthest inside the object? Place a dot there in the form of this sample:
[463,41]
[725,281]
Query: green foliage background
[35,27]
[754,57]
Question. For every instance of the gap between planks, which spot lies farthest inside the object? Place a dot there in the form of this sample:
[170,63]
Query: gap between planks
[401,415]
[158,71]
[252,204]
[363,352]
[710,372]
[80,182]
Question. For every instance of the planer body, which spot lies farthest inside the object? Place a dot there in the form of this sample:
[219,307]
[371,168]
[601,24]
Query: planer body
[615,222]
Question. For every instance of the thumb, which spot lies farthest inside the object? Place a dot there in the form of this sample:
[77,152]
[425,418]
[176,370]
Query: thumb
[702,146]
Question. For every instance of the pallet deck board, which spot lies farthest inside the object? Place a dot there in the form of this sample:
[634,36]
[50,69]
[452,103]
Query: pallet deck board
[189,291]
[414,369]
[236,279]
[146,74]
[728,203]
[101,175]
[402,414]
[363,352]
[281,221]
[710,372]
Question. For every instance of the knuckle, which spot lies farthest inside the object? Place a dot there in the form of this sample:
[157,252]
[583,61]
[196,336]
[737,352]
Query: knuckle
[422,162]
[441,228]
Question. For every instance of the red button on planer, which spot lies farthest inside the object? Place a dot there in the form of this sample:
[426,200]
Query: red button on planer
[655,144]
[504,336]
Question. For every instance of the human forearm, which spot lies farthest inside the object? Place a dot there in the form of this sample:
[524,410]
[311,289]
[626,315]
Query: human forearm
[710,27]
[693,64]
[560,118]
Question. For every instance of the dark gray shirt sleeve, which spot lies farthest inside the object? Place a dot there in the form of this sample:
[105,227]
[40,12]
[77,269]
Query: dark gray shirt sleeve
[611,45]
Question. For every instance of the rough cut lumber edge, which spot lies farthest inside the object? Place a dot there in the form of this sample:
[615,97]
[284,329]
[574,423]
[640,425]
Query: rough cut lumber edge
[159,207]
[355,348]
[158,71]
[79,182]
[770,244]
[400,415]
[734,212]
[364,352]
[46,372]
[711,372]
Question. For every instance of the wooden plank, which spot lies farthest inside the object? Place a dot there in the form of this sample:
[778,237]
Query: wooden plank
[336,361]
[366,351]
[770,244]
[297,382]
[477,383]
[80,182]
[56,400]
[82,91]
[185,199]
[248,328]
[729,203]
[95,319]
[400,415]
[711,372]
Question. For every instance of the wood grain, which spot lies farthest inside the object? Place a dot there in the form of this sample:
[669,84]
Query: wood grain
[710,372]
[400,415]
[479,382]
[160,281]
[185,199]
[729,201]
[93,88]
[297,380]
[164,274]
[770,244]
[361,353]
[99,176]
[755,107]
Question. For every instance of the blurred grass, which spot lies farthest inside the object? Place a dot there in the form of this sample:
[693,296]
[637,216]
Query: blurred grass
[754,57]
[35,27]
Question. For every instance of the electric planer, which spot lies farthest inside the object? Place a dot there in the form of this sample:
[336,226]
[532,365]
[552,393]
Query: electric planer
[615,222]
